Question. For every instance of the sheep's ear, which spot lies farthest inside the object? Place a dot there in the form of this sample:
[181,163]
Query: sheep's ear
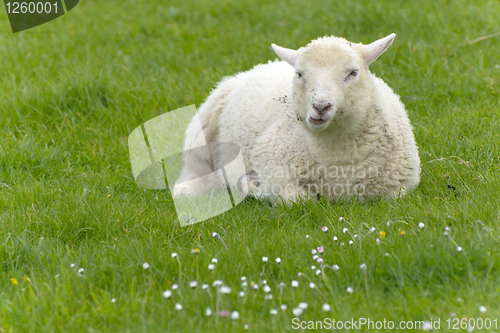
[375,49]
[288,55]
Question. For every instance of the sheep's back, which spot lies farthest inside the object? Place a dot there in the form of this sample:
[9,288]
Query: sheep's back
[261,97]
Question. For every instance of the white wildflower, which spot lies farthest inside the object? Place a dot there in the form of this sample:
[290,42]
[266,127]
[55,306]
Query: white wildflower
[225,290]
[235,315]
[167,294]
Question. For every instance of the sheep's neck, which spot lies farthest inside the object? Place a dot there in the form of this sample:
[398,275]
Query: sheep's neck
[338,147]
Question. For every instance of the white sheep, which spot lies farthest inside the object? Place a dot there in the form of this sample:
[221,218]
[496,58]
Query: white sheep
[316,124]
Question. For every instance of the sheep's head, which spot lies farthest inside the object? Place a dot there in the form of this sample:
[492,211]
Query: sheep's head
[331,85]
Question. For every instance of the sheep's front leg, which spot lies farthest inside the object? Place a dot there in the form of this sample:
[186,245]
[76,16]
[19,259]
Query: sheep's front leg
[284,193]
[251,184]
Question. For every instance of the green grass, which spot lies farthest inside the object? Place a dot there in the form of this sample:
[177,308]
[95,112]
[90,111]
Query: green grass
[73,89]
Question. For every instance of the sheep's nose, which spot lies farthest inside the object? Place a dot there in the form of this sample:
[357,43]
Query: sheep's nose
[321,107]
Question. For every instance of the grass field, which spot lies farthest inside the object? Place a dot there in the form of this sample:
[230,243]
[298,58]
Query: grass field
[73,89]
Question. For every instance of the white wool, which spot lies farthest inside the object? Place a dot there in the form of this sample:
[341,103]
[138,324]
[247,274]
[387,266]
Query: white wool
[318,123]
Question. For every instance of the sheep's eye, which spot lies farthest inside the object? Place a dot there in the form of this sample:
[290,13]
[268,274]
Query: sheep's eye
[299,75]
[354,73]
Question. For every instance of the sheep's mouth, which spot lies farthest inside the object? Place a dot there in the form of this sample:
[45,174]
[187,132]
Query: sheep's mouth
[316,122]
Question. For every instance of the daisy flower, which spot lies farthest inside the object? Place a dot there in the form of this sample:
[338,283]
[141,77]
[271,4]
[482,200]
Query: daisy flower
[303,305]
[167,294]
[235,315]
